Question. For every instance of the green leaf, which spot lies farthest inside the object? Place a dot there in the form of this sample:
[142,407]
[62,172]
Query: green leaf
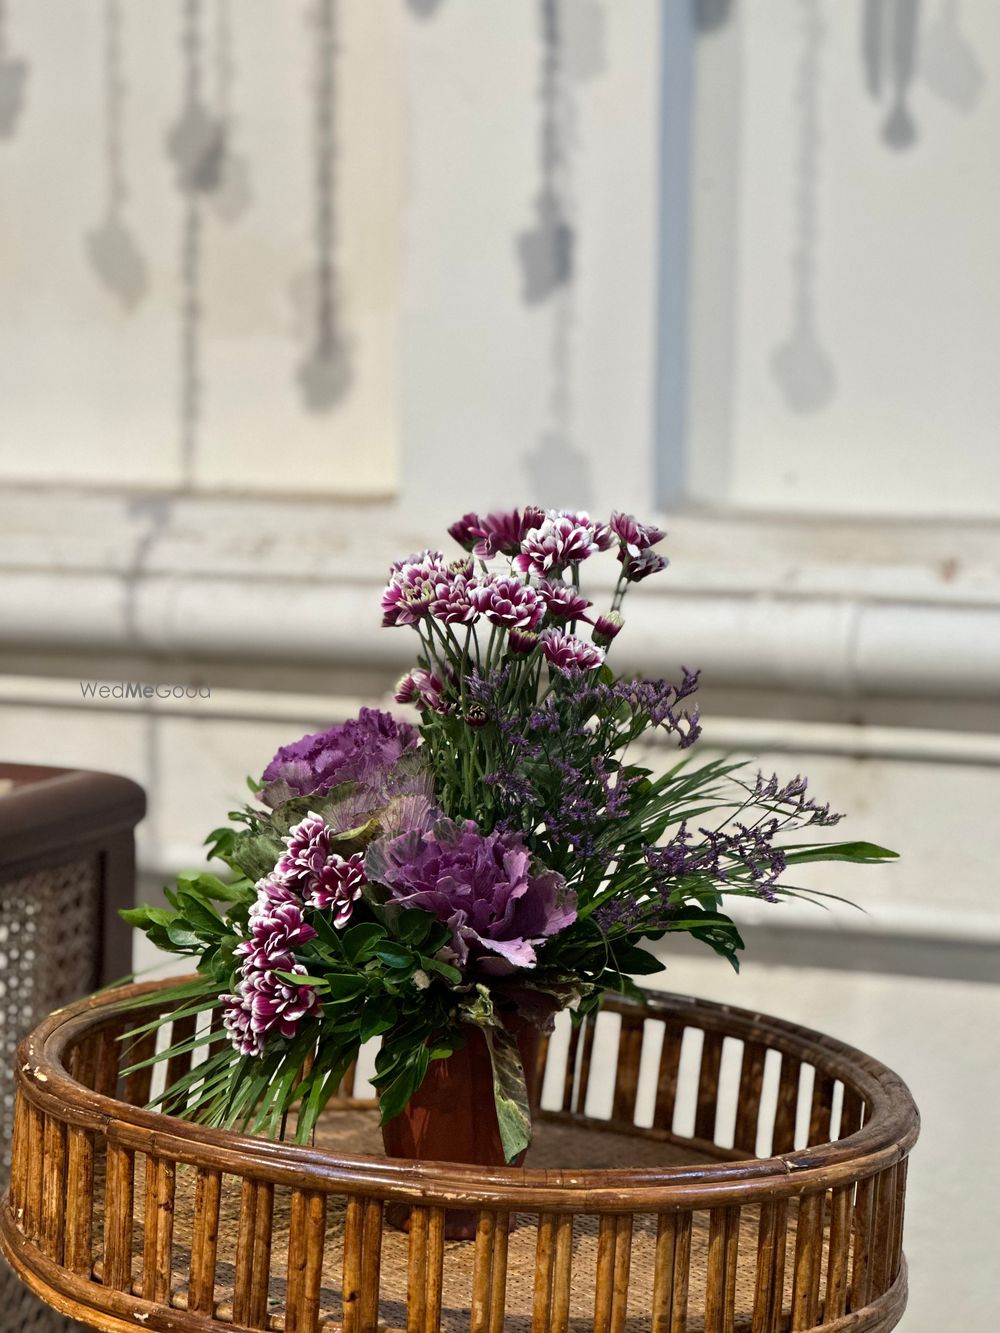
[413,926]
[377,1017]
[183,938]
[510,1091]
[359,941]
[862,852]
[395,956]
[443,969]
[635,961]
[200,916]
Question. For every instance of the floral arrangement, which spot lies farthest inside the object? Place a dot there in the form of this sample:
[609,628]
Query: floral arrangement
[507,855]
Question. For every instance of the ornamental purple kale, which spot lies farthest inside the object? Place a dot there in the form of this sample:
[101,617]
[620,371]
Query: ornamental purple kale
[498,908]
[363,750]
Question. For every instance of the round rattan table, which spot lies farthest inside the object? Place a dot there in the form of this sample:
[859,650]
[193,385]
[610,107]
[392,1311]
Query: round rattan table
[696,1169]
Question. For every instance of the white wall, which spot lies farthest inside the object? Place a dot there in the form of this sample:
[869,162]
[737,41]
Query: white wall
[836,570]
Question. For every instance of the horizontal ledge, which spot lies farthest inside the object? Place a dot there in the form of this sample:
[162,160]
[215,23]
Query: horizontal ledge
[745,735]
[848,647]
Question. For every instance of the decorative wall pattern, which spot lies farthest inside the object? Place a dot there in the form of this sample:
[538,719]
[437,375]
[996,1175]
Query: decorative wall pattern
[197,197]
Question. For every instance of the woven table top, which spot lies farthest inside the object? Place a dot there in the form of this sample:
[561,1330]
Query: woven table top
[555,1145]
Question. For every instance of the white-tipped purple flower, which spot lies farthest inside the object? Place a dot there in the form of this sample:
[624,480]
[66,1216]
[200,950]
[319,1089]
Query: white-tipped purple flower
[453,604]
[498,533]
[565,538]
[509,603]
[277,1004]
[412,588]
[567,653]
[562,601]
[338,886]
[307,849]
[635,568]
[635,537]
[607,628]
[424,689]
[236,1019]
[275,937]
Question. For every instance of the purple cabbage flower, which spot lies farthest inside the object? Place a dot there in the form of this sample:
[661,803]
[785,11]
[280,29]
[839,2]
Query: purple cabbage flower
[363,750]
[482,886]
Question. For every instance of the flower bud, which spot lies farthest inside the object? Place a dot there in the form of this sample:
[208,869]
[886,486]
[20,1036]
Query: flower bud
[522,641]
[606,628]
[476,716]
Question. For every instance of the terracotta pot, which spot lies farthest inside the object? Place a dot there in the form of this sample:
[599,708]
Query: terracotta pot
[452,1117]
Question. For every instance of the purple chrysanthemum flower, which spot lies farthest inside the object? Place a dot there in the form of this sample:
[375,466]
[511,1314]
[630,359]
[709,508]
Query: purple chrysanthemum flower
[307,850]
[236,1020]
[567,652]
[498,533]
[275,936]
[635,568]
[482,886]
[338,886]
[509,603]
[272,891]
[635,537]
[364,749]
[562,601]
[412,587]
[453,602]
[276,1004]
[565,538]
[424,689]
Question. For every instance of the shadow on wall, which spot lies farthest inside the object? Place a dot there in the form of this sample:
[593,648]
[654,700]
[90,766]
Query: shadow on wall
[800,364]
[13,82]
[324,374]
[111,246]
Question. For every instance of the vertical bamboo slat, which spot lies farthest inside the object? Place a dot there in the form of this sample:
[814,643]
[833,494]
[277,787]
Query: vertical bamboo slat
[666,1078]
[482,1273]
[545,1249]
[260,1274]
[838,1262]
[35,1155]
[627,1071]
[205,1240]
[18,1160]
[748,1101]
[416,1285]
[808,1260]
[885,1200]
[861,1267]
[305,1262]
[118,1204]
[783,1139]
[78,1255]
[562,1274]
[623,1262]
[498,1283]
[897,1218]
[54,1189]
[663,1273]
[821,1109]
[708,1087]
[371,1257]
[723,1257]
[770,1280]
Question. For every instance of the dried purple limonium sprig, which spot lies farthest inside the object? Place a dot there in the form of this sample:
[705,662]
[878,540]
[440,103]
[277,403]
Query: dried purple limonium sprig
[515,852]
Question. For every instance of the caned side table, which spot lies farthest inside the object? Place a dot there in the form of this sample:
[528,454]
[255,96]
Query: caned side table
[696,1169]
